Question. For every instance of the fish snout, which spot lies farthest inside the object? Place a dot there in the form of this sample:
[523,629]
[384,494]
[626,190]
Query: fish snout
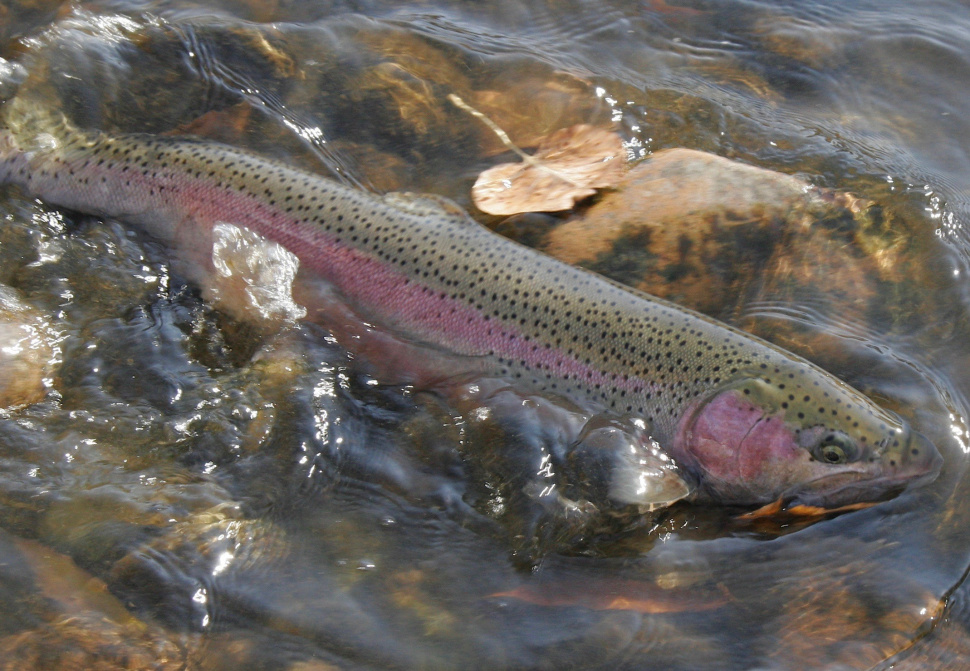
[917,461]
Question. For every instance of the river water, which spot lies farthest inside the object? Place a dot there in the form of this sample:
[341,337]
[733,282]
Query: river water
[196,492]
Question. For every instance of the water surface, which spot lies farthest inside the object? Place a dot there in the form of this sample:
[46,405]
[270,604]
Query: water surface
[194,492]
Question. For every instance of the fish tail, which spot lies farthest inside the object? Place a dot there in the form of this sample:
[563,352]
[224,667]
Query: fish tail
[35,124]
[12,159]
[9,84]
[31,134]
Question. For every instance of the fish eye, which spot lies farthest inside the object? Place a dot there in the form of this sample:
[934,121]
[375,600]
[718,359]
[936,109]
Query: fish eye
[835,449]
[832,454]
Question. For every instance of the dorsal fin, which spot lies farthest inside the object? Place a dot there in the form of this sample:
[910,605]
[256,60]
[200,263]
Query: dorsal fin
[424,204]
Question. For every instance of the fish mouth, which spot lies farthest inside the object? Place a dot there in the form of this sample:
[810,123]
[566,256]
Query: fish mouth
[840,489]
[917,464]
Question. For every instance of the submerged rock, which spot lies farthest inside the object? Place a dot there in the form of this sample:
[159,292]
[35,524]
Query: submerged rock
[77,623]
[692,226]
[744,244]
[28,351]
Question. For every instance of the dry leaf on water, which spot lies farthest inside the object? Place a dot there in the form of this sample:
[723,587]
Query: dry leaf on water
[568,166]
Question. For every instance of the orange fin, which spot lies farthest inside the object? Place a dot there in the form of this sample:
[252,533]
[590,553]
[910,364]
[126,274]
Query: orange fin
[778,509]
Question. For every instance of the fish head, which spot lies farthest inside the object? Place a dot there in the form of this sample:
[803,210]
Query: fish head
[801,435]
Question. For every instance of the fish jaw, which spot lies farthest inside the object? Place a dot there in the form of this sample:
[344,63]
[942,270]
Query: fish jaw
[745,452]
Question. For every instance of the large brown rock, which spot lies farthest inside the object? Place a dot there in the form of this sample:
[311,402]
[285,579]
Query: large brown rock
[27,351]
[704,230]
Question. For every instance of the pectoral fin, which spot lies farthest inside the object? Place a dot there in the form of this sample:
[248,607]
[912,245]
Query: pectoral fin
[617,461]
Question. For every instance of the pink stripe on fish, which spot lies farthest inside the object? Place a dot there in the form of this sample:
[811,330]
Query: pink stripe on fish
[368,281]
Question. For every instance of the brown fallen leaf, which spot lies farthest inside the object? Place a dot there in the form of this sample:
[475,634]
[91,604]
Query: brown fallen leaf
[661,7]
[633,595]
[568,166]
[227,125]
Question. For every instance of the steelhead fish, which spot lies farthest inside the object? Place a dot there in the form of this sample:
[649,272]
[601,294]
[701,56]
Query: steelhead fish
[747,421]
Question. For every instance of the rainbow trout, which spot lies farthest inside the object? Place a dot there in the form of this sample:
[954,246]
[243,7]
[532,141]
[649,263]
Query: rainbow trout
[745,421]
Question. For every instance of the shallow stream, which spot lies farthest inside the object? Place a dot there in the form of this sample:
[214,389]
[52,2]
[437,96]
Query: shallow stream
[193,492]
